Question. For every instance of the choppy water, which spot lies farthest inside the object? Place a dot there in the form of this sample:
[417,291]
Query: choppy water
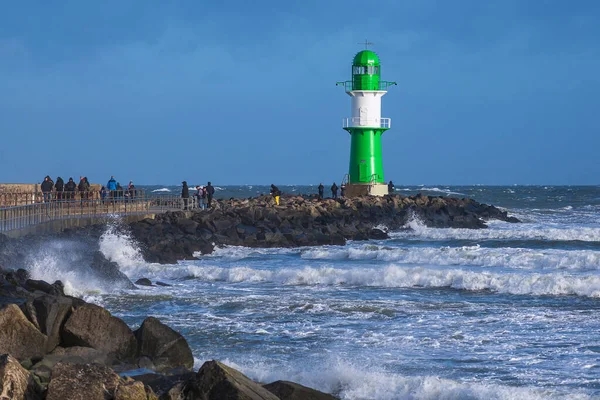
[509,312]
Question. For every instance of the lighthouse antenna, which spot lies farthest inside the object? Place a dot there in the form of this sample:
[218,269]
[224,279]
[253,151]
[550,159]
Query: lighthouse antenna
[367,44]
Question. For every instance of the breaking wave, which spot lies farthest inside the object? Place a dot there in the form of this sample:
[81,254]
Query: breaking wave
[505,257]
[350,381]
[501,231]
[394,276]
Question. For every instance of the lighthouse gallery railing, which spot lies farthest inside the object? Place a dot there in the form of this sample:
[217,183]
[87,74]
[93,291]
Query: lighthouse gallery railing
[358,122]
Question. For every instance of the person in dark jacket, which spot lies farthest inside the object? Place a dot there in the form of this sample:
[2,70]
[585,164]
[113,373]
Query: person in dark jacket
[70,188]
[275,192]
[47,187]
[103,193]
[185,195]
[81,187]
[59,186]
[343,190]
[131,190]
[210,192]
[391,187]
[119,191]
[321,189]
[334,189]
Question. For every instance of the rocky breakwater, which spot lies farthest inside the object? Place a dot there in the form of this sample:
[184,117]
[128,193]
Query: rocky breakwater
[301,221]
[58,347]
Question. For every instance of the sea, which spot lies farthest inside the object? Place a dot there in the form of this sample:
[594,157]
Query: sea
[507,312]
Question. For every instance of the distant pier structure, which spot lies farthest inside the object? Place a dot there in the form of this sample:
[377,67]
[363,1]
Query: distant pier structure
[366,126]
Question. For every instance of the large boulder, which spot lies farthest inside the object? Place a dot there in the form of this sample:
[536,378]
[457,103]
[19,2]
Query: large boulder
[130,389]
[216,381]
[16,383]
[72,355]
[166,348]
[93,326]
[82,382]
[167,386]
[48,313]
[292,391]
[18,336]
[108,271]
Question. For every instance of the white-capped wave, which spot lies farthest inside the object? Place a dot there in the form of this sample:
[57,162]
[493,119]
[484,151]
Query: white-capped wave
[65,260]
[395,276]
[349,381]
[436,189]
[161,190]
[506,257]
[502,231]
[240,252]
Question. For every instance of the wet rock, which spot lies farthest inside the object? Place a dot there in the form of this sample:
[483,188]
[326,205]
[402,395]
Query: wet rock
[292,391]
[72,355]
[16,383]
[159,283]
[109,271]
[144,282]
[162,385]
[216,381]
[49,313]
[93,326]
[18,336]
[131,390]
[378,234]
[82,382]
[165,347]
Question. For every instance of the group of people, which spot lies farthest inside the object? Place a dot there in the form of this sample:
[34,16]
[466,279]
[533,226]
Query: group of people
[203,195]
[114,190]
[60,190]
[334,190]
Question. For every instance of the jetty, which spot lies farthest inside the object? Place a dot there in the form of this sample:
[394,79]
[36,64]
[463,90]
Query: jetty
[25,210]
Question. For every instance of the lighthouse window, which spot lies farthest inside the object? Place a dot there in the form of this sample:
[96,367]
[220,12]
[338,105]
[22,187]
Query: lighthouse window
[359,70]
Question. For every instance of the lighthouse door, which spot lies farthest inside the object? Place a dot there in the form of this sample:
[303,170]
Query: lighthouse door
[362,171]
[363,113]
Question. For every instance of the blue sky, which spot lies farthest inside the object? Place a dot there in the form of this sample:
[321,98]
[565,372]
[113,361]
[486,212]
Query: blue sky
[489,92]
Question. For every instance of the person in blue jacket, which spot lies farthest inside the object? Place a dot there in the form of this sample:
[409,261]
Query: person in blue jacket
[112,186]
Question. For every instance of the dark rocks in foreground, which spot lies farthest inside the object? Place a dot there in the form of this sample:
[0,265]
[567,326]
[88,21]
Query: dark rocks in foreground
[58,347]
[300,221]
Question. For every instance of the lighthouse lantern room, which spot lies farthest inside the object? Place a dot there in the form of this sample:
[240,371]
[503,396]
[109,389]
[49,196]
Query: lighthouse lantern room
[365,126]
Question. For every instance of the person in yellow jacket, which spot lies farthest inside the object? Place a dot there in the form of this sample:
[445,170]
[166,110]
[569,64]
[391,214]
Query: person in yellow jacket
[275,192]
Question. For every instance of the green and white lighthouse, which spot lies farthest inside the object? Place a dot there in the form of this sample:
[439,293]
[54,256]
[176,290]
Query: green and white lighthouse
[365,126]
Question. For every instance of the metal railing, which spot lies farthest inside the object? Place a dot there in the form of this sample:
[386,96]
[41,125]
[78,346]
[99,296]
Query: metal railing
[24,210]
[348,85]
[358,122]
[163,203]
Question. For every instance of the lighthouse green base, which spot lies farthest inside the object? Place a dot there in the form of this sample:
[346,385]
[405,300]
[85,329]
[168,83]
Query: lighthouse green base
[366,165]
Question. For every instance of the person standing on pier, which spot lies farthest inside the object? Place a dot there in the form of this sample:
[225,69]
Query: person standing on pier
[112,186]
[131,190]
[391,187]
[70,189]
[47,187]
[210,192]
[334,189]
[83,187]
[59,186]
[185,195]
[321,190]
